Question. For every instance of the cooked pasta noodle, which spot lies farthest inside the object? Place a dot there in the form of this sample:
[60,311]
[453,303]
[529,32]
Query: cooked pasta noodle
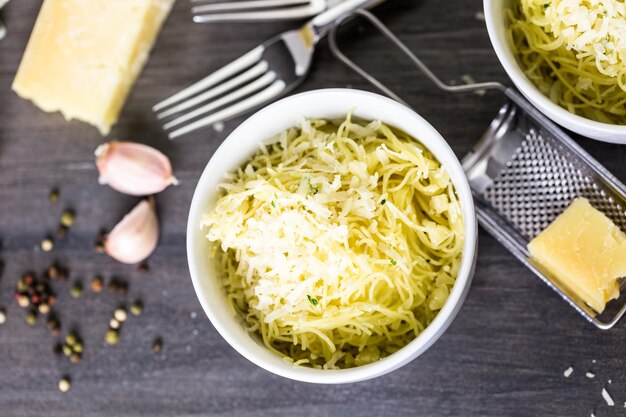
[339,242]
[574,52]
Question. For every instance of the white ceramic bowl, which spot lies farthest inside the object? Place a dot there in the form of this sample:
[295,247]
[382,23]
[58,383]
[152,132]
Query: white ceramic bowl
[496,25]
[241,145]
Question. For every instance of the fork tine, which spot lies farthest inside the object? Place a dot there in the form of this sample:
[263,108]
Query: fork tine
[222,101]
[252,73]
[269,93]
[278,14]
[235,66]
[239,5]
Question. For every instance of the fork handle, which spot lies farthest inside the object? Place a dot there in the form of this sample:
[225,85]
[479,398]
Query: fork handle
[325,21]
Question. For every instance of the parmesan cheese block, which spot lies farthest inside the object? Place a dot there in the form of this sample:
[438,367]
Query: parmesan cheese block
[584,251]
[84,56]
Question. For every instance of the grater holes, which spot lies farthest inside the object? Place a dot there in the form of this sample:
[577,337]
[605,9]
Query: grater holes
[540,181]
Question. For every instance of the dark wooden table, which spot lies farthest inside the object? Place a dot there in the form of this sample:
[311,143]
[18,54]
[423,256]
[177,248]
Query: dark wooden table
[503,356]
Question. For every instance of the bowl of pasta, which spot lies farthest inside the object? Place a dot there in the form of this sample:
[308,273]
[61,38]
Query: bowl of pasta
[332,236]
[567,58]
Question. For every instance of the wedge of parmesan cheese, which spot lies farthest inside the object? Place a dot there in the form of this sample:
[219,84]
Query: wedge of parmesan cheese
[84,56]
[584,251]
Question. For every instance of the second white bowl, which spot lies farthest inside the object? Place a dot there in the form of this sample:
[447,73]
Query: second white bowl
[496,25]
[239,148]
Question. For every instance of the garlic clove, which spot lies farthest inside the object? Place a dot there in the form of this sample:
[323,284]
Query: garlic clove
[135,237]
[133,168]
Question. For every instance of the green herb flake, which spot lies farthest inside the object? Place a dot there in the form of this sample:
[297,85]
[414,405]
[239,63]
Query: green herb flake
[394,262]
[273,204]
[312,300]
[314,190]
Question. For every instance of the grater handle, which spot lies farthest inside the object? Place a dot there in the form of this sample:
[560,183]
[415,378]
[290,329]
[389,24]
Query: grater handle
[373,20]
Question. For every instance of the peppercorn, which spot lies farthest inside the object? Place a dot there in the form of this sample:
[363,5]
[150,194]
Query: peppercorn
[120,315]
[28,279]
[21,286]
[117,286]
[67,351]
[64,384]
[76,290]
[22,300]
[43,308]
[157,345]
[78,347]
[52,299]
[112,337]
[74,358]
[53,196]
[31,318]
[47,244]
[114,324]
[61,232]
[53,272]
[71,339]
[98,246]
[96,284]
[56,272]
[53,322]
[137,308]
[67,218]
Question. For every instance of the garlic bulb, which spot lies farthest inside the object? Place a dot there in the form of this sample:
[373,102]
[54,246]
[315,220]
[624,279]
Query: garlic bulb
[134,238]
[133,168]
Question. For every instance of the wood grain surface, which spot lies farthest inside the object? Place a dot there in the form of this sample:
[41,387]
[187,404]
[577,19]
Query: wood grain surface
[503,356]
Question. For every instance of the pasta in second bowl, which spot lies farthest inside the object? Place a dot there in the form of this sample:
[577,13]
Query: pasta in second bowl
[339,250]
[559,67]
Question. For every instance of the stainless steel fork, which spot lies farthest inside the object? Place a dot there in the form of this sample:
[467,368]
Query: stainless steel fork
[259,10]
[265,73]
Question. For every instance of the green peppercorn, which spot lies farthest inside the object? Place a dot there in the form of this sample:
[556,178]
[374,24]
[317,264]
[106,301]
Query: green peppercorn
[74,358]
[67,350]
[67,218]
[53,196]
[21,285]
[112,337]
[114,324]
[78,347]
[71,339]
[76,290]
[31,318]
[137,308]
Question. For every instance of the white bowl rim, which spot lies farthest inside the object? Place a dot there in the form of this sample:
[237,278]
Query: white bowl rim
[532,93]
[455,299]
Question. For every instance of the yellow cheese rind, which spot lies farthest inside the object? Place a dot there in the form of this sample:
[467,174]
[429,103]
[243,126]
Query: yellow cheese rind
[585,251]
[83,57]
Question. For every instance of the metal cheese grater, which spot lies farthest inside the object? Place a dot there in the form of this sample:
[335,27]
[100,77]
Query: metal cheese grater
[523,173]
